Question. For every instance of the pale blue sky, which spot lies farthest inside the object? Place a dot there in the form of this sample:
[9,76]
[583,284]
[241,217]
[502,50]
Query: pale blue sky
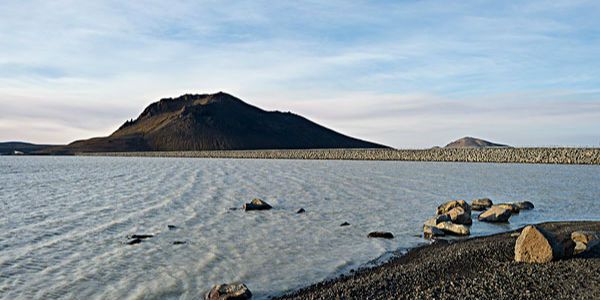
[402,73]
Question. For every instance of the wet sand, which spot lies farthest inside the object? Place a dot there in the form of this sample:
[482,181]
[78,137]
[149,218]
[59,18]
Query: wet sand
[475,268]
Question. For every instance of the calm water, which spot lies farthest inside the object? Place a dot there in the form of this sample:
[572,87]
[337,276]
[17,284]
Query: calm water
[64,220]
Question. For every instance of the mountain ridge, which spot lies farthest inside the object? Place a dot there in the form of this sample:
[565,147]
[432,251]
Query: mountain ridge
[213,122]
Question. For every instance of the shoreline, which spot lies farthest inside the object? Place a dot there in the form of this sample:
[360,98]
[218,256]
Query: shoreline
[578,156]
[473,268]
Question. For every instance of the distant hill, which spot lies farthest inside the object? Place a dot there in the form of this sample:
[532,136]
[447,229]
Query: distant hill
[213,122]
[471,142]
[8,148]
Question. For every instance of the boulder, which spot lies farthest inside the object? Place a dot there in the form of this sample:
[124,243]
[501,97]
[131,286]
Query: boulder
[585,240]
[430,232]
[446,207]
[256,204]
[141,236]
[458,215]
[525,205]
[495,214]
[513,208]
[437,219]
[481,204]
[345,224]
[232,291]
[381,234]
[301,211]
[535,245]
[454,229]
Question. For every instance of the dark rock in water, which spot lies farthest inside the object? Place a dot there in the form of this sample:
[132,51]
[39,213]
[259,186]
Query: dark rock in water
[232,291]
[345,224]
[513,207]
[496,214]
[134,241]
[141,236]
[300,211]
[172,227]
[179,242]
[257,204]
[481,204]
[525,205]
[233,208]
[381,234]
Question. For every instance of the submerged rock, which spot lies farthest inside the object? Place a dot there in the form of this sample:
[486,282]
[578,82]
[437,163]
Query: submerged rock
[138,238]
[232,291]
[454,229]
[345,224]
[141,236]
[172,227]
[179,242]
[535,245]
[430,232]
[525,205]
[446,207]
[481,204]
[495,214]
[459,215]
[585,240]
[301,211]
[134,241]
[257,204]
[381,234]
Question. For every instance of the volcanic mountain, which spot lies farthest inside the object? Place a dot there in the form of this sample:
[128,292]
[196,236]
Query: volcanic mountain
[214,122]
[471,142]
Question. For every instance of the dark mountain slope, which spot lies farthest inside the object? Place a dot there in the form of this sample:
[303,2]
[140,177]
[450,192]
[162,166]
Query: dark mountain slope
[214,122]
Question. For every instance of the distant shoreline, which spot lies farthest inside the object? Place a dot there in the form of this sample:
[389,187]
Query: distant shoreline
[582,156]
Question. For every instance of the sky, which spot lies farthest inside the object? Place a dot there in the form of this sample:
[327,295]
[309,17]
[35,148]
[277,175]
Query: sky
[408,74]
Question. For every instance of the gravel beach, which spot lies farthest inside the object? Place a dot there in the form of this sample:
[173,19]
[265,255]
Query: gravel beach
[475,268]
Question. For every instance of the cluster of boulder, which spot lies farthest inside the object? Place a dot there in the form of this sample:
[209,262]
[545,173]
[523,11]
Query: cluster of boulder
[454,217]
[536,245]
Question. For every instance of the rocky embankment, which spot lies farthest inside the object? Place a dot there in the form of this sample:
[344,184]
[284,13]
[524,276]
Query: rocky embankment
[489,155]
[477,268]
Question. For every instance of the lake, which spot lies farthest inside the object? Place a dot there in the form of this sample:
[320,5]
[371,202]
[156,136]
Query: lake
[65,220]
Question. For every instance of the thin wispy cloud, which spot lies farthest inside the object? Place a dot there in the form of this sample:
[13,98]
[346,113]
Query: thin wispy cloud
[403,73]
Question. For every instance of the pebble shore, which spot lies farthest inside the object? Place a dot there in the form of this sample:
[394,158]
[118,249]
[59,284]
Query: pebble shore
[476,268]
[587,156]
